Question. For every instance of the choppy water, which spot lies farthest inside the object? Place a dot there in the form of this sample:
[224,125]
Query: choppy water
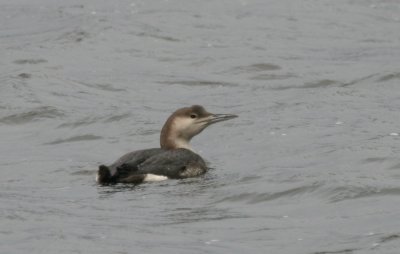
[311,166]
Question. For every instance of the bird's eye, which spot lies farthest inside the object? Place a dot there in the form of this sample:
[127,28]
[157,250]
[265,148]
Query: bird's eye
[193,116]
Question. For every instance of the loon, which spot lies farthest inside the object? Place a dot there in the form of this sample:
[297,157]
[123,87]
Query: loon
[174,160]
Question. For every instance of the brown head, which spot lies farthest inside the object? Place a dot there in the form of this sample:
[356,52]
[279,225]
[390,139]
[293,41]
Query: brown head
[185,123]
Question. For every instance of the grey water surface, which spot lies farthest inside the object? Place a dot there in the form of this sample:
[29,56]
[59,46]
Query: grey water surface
[312,164]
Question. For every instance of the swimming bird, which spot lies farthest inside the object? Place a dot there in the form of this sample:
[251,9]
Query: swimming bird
[175,158]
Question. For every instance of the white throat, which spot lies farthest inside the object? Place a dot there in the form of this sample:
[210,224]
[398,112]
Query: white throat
[182,143]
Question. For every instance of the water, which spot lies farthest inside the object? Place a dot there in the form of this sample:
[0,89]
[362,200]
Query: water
[310,166]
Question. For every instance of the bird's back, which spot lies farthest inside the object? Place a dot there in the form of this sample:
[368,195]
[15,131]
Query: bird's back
[136,167]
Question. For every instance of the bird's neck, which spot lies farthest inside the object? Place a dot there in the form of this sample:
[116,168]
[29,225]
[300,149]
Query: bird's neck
[175,143]
[170,138]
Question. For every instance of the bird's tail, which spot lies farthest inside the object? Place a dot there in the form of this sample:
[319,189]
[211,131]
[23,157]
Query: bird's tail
[103,175]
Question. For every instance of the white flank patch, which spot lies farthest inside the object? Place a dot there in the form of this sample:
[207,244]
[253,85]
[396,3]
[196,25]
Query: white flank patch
[97,177]
[154,178]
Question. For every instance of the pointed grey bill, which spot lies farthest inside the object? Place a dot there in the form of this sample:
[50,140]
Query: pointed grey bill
[215,118]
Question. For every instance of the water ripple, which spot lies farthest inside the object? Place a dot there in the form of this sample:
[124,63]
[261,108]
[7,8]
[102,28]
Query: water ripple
[258,67]
[30,61]
[316,84]
[345,251]
[74,139]
[199,83]
[32,115]
[355,192]
[390,76]
[275,77]
[390,238]
[254,198]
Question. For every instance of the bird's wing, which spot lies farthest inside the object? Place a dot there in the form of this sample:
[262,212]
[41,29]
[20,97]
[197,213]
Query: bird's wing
[130,161]
[177,163]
